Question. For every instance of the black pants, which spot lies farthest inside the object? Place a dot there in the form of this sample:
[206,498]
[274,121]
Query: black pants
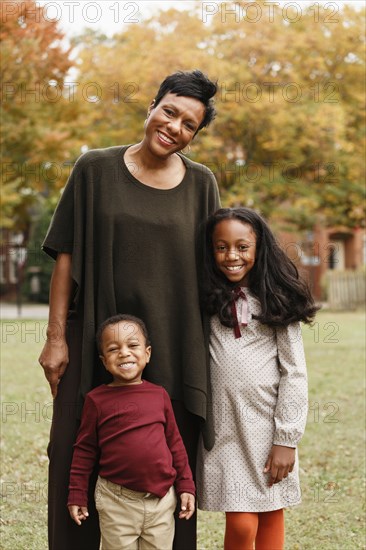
[63,533]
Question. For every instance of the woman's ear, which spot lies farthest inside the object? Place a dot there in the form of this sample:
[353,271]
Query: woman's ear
[151,107]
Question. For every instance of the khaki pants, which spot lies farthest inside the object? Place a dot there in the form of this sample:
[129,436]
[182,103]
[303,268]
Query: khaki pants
[130,520]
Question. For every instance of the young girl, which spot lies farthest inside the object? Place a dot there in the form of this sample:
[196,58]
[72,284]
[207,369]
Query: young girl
[258,376]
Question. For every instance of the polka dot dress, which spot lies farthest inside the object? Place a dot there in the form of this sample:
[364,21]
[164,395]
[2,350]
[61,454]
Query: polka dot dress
[259,398]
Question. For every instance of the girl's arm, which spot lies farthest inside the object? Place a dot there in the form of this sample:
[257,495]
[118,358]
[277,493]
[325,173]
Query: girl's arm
[280,462]
[55,355]
[292,402]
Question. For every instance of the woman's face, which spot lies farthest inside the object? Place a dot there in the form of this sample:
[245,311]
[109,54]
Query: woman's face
[172,124]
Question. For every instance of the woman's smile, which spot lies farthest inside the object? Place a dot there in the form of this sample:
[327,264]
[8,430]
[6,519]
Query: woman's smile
[165,138]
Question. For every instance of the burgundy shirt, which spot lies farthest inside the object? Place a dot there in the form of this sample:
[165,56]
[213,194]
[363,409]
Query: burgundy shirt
[131,431]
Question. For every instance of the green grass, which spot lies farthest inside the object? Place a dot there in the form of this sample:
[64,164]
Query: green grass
[331,452]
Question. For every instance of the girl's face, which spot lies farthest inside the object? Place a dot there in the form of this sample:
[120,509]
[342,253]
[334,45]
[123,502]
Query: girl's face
[234,246]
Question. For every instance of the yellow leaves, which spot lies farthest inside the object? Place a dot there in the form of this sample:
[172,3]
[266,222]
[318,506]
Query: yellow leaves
[289,98]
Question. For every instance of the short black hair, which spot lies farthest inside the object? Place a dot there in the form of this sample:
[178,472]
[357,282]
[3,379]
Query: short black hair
[117,319]
[191,84]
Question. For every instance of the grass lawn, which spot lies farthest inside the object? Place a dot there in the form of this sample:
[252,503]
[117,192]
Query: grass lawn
[331,453]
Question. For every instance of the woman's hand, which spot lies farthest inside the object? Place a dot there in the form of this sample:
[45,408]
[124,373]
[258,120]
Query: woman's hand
[279,463]
[55,354]
[78,513]
[54,359]
[186,506]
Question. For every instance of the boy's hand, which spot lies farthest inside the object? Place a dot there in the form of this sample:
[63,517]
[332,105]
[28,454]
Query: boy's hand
[78,513]
[186,506]
[279,463]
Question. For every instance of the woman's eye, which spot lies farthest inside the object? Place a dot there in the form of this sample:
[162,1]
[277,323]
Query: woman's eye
[169,112]
[243,247]
[190,127]
[220,248]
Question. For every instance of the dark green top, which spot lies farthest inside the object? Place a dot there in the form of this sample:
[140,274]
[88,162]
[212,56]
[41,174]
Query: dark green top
[137,249]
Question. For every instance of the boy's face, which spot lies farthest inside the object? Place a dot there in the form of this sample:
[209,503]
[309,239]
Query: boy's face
[124,352]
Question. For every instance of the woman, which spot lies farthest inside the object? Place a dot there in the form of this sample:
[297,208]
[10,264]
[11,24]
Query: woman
[126,239]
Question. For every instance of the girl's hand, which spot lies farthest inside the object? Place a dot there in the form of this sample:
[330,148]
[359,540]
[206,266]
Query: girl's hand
[78,513]
[54,360]
[280,462]
[186,506]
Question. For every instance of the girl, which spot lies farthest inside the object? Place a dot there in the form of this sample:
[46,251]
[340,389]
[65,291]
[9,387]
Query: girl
[258,375]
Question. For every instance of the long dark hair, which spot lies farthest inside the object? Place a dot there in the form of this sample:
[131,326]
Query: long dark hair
[274,278]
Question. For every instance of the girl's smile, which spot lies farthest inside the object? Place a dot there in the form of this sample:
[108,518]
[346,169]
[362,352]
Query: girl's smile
[234,246]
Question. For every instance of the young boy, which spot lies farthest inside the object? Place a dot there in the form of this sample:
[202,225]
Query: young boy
[128,427]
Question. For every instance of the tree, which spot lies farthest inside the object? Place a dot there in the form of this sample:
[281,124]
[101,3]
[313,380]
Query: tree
[290,90]
[36,116]
[291,99]
[289,135]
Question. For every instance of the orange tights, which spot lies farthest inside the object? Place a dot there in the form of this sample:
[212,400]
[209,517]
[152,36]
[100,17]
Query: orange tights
[262,530]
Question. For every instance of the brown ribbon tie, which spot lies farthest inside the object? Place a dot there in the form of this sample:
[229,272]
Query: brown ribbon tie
[239,293]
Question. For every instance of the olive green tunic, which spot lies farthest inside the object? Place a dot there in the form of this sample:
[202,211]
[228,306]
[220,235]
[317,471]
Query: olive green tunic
[137,249]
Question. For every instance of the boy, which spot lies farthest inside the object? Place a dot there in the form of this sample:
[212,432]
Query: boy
[128,427]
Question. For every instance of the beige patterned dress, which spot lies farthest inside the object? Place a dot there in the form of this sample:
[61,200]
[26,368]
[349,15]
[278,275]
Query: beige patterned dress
[259,398]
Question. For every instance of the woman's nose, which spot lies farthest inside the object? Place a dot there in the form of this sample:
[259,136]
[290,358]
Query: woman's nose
[174,126]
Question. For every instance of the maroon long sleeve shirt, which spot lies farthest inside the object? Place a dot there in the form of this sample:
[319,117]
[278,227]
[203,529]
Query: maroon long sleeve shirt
[131,431]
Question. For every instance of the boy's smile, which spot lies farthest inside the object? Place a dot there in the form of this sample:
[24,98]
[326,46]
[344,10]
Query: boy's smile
[124,352]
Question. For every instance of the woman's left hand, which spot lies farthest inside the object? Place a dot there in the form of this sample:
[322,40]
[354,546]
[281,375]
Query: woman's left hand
[279,463]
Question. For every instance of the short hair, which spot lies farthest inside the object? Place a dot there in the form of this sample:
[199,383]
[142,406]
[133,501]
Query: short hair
[114,320]
[191,84]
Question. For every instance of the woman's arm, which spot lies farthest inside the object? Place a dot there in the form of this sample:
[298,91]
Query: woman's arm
[55,354]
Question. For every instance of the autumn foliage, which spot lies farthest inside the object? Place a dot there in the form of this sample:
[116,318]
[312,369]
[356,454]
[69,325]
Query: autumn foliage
[289,135]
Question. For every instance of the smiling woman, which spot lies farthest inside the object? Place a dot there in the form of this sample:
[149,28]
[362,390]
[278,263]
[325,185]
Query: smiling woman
[170,126]
[126,239]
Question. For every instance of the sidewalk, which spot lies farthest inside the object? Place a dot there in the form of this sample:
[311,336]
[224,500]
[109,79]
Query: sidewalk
[26,311]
